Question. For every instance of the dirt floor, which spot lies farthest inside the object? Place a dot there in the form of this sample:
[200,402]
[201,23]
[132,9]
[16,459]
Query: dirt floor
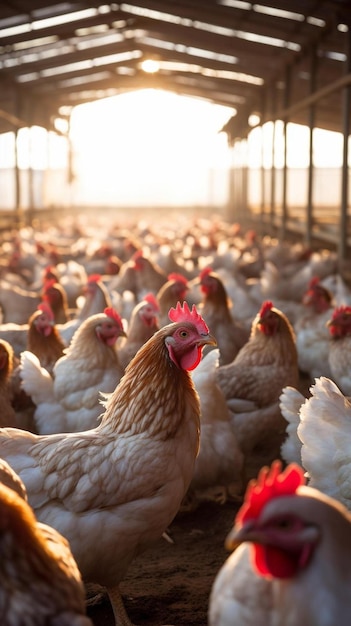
[171,583]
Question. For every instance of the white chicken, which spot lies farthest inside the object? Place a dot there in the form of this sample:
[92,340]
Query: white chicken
[293,566]
[219,465]
[325,432]
[69,400]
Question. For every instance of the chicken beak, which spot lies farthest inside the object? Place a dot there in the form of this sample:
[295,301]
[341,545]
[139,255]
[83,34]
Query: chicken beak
[207,340]
[239,534]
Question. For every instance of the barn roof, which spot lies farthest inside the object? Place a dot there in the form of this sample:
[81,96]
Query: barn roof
[263,58]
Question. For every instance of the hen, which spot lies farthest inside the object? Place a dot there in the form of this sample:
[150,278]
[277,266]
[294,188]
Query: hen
[7,411]
[40,584]
[68,401]
[253,382]
[340,347]
[216,311]
[142,325]
[324,431]
[290,402]
[113,490]
[294,564]
[97,298]
[218,467]
[43,338]
[173,291]
[312,335]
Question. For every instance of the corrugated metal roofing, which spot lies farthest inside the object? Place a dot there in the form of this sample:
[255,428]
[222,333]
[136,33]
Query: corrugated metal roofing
[258,58]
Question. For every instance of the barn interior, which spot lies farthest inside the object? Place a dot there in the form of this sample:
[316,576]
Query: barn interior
[279,235]
[279,62]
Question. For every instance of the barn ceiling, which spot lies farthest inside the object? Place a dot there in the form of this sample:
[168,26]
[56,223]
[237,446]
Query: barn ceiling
[260,58]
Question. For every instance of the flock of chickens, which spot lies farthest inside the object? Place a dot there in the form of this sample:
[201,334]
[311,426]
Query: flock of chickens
[147,367]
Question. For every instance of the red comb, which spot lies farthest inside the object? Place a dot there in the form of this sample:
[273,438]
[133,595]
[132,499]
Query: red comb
[205,272]
[110,312]
[46,308]
[50,283]
[313,282]
[182,313]
[94,278]
[341,310]
[177,277]
[271,483]
[151,299]
[266,306]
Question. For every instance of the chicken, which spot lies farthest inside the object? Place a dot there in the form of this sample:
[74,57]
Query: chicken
[43,337]
[324,431]
[17,303]
[312,335]
[140,276]
[218,468]
[142,325]
[17,333]
[113,490]
[293,566]
[290,402]
[40,584]
[69,401]
[97,298]
[216,311]
[55,295]
[340,347]
[174,290]
[7,412]
[253,382]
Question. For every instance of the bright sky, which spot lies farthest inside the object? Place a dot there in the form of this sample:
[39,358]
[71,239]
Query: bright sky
[155,147]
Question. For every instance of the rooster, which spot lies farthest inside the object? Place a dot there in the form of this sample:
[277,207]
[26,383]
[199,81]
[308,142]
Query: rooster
[293,565]
[253,382]
[340,347]
[69,400]
[216,311]
[113,490]
[40,583]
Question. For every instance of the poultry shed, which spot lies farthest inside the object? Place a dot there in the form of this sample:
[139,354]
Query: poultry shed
[272,65]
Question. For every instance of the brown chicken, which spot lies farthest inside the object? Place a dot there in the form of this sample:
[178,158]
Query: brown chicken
[40,584]
[7,411]
[253,382]
[114,490]
[43,338]
[293,564]
[55,295]
[216,311]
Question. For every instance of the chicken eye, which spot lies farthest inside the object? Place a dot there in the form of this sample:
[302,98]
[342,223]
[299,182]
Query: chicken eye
[183,334]
[286,523]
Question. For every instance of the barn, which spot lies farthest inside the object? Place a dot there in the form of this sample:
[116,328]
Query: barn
[259,231]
